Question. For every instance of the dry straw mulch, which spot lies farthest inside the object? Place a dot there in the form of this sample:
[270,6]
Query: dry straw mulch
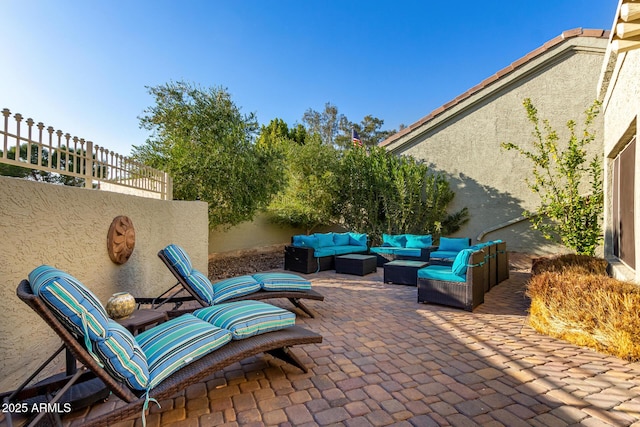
[586,308]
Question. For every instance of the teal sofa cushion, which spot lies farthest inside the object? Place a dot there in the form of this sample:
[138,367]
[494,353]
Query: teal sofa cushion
[343,250]
[440,272]
[324,239]
[461,261]
[396,240]
[247,318]
[341,239]
[305,241]
[418,241]
[455,244]
[449,255]
[326,251]
[357,239]
[385,249]
[413,252]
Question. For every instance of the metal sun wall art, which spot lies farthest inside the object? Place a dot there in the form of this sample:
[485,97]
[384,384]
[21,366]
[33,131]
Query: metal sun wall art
[121,239]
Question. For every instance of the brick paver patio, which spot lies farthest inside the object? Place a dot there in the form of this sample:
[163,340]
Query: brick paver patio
[387,360]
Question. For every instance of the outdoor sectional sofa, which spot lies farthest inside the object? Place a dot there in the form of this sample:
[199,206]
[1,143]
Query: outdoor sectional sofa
[161,361]
[412,247]
[316,252]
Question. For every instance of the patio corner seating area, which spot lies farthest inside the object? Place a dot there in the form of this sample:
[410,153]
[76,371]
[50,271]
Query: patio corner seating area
[400,362]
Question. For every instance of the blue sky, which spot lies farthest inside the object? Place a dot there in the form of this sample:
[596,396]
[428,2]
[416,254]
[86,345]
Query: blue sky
[83,66]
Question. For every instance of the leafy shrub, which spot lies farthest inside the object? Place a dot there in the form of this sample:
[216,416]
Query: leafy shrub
[590,310]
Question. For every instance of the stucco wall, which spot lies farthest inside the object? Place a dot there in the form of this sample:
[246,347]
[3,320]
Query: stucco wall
[67,228]
[621,109]
[249,235]
[256,234]
[464,141]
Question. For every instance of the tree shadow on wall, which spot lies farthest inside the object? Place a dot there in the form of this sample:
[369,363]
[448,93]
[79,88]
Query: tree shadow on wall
[491,213]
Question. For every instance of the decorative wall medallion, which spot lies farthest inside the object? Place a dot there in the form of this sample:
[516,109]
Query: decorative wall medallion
[121,239]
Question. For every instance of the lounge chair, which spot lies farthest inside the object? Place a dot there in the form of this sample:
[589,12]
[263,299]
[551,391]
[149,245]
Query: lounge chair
[259,286]
[86,332]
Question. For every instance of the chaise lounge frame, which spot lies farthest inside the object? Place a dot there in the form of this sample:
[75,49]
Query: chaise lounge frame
[294,296]
[276,343]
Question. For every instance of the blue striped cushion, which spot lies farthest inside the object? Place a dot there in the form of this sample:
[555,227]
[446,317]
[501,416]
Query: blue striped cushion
[122,357]
[178,342]
[234,287]
[282,282]
[178,259]
[201,285]
[247,318]
[70,301]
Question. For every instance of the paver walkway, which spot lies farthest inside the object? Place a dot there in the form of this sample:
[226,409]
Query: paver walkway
[387,360]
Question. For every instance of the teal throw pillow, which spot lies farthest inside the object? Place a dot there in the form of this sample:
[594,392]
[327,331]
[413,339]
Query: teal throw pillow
[418,241]
[461,262]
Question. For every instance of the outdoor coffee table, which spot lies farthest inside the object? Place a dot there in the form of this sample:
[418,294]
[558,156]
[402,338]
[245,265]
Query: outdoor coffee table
[403,272]
[356,264]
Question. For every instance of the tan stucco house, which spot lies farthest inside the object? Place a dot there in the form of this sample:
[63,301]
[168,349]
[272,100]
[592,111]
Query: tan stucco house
[619,90]
[462,138]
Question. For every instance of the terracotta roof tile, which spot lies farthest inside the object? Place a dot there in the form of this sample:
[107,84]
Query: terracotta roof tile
[576,32]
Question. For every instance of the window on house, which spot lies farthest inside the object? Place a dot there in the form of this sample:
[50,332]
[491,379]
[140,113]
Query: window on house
[623,200]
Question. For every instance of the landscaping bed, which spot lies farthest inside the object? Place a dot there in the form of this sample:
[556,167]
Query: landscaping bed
[572,298]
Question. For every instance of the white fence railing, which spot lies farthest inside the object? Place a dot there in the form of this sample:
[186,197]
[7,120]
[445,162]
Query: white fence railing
[27,144]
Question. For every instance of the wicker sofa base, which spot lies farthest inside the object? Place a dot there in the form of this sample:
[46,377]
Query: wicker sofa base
[454,294]
[301,260]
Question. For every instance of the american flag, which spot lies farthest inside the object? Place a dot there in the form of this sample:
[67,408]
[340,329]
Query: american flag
[356,138]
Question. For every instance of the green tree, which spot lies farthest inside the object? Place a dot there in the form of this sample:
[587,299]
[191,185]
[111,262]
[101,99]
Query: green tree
[571,208]
[379,192]
[309,198]
[370,131]
[335,128]
[277,130]
[326,124]
[202,139]
[54,160]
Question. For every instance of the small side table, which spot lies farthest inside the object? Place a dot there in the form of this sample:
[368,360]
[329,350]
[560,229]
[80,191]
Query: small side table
[403,272]
[140,319]
[356,264]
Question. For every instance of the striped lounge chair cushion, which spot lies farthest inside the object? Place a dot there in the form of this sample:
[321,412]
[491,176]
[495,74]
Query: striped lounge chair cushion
[247,318]
[122,357]
[282,282]
[200,285]
[234,287]
[178,259]
[178,342]
[72,303]
[197,281]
